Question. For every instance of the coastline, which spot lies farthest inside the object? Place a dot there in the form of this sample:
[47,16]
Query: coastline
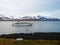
[33,36]
[28,20]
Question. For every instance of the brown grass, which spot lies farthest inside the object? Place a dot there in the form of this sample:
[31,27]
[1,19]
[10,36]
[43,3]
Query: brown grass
[28,42]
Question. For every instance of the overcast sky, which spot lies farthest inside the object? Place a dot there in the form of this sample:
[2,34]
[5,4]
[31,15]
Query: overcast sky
[30,7]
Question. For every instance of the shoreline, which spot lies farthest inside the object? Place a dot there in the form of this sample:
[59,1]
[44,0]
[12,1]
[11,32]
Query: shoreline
[28,20]
[33,36]
[19,20]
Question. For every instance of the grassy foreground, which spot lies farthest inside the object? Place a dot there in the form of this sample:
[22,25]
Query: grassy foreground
[28,42]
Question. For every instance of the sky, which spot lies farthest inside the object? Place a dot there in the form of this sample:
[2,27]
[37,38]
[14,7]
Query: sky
[48,8]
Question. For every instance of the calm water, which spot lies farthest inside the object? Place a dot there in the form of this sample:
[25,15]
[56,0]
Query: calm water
[38,26]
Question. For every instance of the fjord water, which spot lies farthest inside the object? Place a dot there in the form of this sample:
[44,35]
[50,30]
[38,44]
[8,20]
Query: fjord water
[38,26]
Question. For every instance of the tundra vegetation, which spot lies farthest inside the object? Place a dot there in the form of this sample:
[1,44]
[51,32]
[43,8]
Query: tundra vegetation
[4,41]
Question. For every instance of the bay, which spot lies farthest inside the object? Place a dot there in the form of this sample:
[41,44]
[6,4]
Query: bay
[38,26]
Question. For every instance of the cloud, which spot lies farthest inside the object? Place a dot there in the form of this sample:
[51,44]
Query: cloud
[30,7]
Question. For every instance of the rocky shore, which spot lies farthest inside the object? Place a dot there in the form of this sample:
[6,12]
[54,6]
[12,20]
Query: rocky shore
[33,36]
